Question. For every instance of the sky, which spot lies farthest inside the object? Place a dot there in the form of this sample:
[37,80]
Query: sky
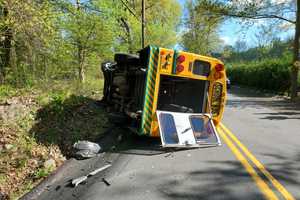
[231,31]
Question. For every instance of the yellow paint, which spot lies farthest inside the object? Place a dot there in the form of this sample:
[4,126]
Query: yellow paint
[264,188]
[259,165]
[165,65]
[154,123]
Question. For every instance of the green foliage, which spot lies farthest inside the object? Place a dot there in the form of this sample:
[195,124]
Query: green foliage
[269,74]
[275,49]
[6,91]
[66,40]
[162,21]
[201,30]
[42,173]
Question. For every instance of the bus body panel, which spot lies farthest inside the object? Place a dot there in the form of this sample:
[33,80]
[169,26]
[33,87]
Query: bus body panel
[162,61]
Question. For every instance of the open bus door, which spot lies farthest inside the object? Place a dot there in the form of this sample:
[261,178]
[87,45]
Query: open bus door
[187,129]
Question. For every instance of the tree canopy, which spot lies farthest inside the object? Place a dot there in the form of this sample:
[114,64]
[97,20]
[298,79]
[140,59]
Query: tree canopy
[63,38]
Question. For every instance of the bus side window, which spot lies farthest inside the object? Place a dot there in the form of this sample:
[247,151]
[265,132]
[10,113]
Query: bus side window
[201,68]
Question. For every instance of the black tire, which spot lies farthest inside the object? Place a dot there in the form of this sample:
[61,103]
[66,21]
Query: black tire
[122,58]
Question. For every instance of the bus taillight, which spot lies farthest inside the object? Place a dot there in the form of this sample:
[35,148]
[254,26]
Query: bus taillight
[219,67]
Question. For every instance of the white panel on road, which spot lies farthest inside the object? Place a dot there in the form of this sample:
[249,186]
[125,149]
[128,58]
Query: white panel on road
[186,129]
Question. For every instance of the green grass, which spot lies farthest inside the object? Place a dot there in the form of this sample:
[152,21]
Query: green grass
[7,91]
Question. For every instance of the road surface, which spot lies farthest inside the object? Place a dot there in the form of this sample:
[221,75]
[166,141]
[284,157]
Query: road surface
[259,159]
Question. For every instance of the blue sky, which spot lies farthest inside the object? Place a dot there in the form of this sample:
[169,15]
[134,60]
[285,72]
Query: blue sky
[231,31]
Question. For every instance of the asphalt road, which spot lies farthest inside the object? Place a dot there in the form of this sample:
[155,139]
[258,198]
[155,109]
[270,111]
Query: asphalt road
[267,129]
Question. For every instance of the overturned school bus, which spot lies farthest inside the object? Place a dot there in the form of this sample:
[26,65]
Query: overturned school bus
[176,95]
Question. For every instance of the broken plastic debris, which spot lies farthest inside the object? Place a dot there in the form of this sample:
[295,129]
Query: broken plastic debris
[77,181]
[87,145]
[86,149]
[85,154]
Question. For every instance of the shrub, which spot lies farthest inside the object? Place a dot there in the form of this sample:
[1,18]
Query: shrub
[269,74]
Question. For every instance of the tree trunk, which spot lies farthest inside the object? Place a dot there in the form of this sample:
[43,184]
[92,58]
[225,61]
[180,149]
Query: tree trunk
[13,63]
[295,69]
[80,52]
[6,46]
[128,34]
[81,59]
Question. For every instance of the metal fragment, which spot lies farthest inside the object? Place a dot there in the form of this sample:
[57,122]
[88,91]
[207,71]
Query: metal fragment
[77,181]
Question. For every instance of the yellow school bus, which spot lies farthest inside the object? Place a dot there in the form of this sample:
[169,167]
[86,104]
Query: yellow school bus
[161,79]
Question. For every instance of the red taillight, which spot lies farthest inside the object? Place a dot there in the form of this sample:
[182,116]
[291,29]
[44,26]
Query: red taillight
[180,59]
[219,67]
[179,68]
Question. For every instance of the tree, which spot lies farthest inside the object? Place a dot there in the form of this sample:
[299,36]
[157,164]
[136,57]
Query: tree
[66,39]
[201,35]
[6,38]
[89,29]
[162,20]
[240,46]
[26,28]
[288,11]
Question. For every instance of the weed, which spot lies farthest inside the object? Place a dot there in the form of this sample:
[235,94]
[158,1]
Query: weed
[42,173]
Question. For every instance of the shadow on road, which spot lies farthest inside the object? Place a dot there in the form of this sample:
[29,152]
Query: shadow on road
[285,168]
[220,183]
[145,146]
[224,181]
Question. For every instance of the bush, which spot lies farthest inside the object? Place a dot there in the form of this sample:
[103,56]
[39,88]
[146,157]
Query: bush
[269,74]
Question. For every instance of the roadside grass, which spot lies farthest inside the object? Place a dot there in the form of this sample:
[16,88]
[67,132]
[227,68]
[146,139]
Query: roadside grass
[39,124]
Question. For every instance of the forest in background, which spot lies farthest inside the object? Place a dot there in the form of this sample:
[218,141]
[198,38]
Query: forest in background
[63,39]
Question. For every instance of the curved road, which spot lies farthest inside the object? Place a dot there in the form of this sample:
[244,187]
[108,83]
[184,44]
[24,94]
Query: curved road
[268,128]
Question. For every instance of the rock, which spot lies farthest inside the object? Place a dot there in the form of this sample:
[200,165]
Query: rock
[50,164]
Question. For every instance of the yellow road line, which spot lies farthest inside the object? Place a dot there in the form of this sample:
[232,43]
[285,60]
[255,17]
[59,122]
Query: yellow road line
[259,165]
[265,189]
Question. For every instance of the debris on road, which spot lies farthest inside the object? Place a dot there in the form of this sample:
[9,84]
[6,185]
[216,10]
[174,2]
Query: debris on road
[106,182]
[169,154]
[86,149]
[77,181]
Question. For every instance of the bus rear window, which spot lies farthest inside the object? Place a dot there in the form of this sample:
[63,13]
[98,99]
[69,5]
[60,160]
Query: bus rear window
[201,68]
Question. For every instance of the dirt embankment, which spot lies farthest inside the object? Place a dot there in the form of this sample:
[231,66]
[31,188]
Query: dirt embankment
[36,136]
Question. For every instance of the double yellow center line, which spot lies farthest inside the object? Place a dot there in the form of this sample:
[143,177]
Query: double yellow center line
[242,153]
